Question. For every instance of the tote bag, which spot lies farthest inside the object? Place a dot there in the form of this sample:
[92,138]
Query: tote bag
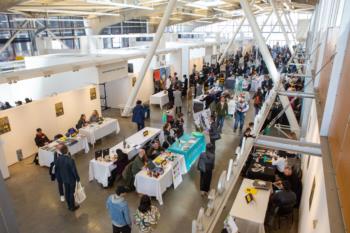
[79,194]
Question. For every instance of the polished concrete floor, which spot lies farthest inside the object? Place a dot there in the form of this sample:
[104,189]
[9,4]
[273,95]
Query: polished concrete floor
[39,210]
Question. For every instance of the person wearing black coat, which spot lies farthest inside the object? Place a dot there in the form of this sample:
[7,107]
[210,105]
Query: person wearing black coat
[53,172]
[206,164]
[185,85]
[214,134]
[67,172]
[138,115]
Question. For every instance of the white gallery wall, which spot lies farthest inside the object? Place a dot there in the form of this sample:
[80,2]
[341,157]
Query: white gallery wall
[41,114]
[38,88]
[313,211]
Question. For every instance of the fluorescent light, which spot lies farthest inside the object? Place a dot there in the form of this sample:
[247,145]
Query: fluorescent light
[49,19]
[119,4]
[69,12]
[194,5]
[208,3]
[223,11]
[203,21]
[172,18]
[191,14]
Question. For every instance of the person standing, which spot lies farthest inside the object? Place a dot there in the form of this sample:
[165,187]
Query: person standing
[221,112]
[177,100]
[67,172]
[214,134]
[57,154]
[241,108]
[258,100]
[185,85]
[138,115]
[119,211]
[206,165]
[147,215]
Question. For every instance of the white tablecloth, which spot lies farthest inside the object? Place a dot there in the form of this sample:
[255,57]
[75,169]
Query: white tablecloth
[100,171]
[46,157]
[250,217]
[155,187]
[96,131]
[159,98]
[135,141]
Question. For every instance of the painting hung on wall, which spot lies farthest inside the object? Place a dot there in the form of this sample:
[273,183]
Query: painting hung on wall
[92,93]
[133,81]
[59,109]
[4,125]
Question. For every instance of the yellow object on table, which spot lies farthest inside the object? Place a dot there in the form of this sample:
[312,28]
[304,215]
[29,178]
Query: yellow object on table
[251,191]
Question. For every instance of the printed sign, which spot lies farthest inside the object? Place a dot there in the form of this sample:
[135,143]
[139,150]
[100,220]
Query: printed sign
[59,109]
[177,176]
[92,93]
[4,125]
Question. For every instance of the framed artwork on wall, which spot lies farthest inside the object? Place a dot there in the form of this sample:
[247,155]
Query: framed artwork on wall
[59,109]
[93,93]
[4,125]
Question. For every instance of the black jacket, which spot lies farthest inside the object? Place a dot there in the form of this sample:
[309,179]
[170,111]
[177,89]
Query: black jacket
[66,170]
[41,140]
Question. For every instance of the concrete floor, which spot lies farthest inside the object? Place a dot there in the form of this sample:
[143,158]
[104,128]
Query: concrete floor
[39,210]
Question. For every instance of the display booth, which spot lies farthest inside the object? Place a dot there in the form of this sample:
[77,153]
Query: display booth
[55,114]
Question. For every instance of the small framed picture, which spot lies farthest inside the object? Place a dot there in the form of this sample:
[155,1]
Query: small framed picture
[59,109]
[4,125]
[93,93]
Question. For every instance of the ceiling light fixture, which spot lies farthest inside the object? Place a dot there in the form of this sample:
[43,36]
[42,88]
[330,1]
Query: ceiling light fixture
[74,12]
[109,3]
[191,14]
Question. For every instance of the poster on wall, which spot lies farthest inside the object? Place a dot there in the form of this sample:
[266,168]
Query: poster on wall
[4,125]
[59,109]
[156,75]
[177,176]
[133,81]
[213,59]
[92,93]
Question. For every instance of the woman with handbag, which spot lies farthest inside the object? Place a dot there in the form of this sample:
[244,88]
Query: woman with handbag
[206,164]
[147,215]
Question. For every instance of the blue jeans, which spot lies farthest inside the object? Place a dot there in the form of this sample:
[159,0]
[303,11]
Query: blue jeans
[239,120]
[220,122]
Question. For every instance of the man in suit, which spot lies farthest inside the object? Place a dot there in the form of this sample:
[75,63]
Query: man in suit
[67,172]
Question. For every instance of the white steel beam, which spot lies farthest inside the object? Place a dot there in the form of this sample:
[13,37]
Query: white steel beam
[270,65]
[148,59]
[9,41]
[288,145]
[231,41]
[279,20]
[297,94]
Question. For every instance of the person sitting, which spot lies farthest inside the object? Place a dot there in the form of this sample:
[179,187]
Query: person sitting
[133,168]
[281,202]
[168,138]
[40,138]
[155,150]
[95,117]
[280,163]
[147,215]
[121,162]
[82,122]
[294,180]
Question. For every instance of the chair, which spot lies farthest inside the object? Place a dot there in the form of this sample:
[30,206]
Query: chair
[285,212]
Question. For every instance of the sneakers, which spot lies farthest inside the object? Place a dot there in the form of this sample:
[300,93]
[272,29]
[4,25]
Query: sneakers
[62,199]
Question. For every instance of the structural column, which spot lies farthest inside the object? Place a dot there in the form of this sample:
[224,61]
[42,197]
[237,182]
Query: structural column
[290,46]
[270,64]
[150,54]
[231,41]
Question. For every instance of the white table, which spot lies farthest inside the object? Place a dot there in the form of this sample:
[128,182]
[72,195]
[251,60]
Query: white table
[155,187]
[136,141]
[250,217]
[100,171]
[159,98]
[97,131]
[46,157]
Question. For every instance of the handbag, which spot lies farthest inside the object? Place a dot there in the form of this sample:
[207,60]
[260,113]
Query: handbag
[79,194]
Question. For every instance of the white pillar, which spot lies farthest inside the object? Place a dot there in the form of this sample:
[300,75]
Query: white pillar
[150,53]
[269,64]
[231,41]
[290,46]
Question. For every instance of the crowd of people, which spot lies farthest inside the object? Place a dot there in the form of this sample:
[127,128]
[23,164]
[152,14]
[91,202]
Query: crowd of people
[249,73]
[6,105]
